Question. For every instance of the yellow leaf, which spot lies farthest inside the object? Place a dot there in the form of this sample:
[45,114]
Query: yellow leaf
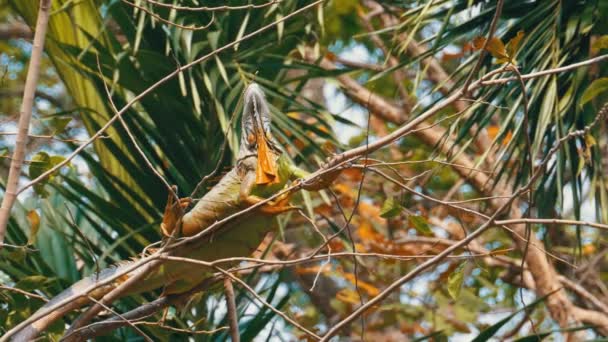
[497,48]
[370,289]
[348,296]
[513,46]
[589,249]
[590,140]
[479,42]
[493,131]
[34,220]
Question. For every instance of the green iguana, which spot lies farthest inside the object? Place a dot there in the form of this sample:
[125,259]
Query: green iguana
[261,170]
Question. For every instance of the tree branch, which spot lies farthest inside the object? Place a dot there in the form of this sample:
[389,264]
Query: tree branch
[232,314]
[15,30]
[29,92]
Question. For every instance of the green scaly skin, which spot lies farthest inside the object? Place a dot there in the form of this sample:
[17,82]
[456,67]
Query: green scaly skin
[237,238]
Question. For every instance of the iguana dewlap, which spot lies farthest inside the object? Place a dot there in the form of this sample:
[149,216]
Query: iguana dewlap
[261,171]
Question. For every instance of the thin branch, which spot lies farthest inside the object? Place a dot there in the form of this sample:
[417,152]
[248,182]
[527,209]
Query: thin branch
[210,8]
[23,292]
[232,313]
[143,334]
[108,298]
[15,30]
[39,93]
[553,221]
[101,328]
[33,72]
[538,74]
[52,137]
[169,22]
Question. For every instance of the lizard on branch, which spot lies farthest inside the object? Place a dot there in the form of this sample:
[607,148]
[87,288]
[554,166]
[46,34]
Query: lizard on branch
[261,170]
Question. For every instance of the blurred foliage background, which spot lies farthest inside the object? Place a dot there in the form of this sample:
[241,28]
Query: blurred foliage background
[105,206]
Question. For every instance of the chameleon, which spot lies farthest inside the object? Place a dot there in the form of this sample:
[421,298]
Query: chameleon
[262,169]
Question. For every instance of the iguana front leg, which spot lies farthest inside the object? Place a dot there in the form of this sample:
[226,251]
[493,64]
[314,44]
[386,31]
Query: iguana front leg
[274,207]
[318,183]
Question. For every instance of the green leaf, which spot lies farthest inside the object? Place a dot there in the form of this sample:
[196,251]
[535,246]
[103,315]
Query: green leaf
[455,281]
[40,163]
[58,125]
[420,224]
[390,208]
[241,30]
[595,88]
[220,67]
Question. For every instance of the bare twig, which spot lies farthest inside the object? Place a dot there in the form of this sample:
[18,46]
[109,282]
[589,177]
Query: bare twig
[41,94]
[110,297]
[538,74]
[143,334]
[14,31]
[210,8]
[23,292]
[169,22]
[232,314]
[141,312]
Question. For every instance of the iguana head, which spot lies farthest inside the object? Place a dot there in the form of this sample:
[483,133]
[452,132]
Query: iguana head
[256,138]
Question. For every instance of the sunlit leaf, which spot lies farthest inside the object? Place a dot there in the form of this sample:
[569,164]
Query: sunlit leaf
[58,124]
[39,164]
[390,208]
[513,46]
[455,281]
[594,89]
[370,289]
[421,224]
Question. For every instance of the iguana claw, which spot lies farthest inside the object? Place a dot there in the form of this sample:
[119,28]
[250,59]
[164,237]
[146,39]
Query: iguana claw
[173,212]
[278,206]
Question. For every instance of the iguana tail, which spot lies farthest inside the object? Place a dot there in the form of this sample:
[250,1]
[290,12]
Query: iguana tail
[30,332]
